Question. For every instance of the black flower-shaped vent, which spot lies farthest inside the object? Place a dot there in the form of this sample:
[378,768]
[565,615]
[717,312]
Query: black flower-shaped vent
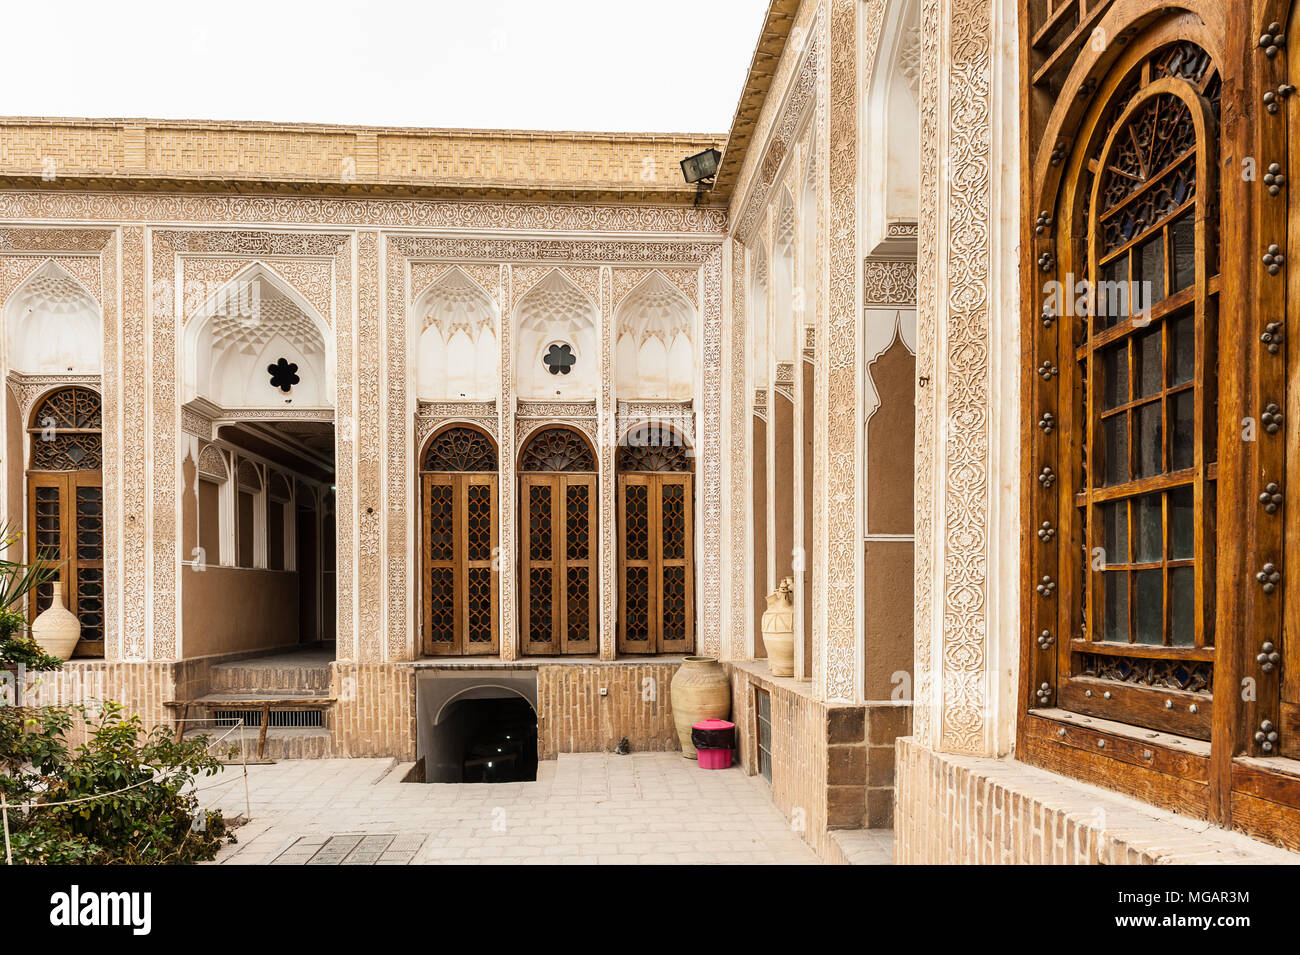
[284,375]
[559,359]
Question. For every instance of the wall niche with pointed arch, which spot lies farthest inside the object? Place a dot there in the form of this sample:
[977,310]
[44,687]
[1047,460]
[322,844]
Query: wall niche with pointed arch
[655,346]
[53,326]
[557,358]
[247,326]
[457,345]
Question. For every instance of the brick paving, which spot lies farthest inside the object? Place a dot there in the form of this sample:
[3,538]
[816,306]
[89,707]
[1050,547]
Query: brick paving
[592,808]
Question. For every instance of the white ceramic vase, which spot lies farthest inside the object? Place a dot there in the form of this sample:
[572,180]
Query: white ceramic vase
[57,629]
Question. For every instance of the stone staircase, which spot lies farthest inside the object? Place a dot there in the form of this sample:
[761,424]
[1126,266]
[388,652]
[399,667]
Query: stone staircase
[289,692]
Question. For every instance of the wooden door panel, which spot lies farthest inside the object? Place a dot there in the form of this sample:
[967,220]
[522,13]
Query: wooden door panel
[675,599]
[538,564]
[558,563]
[577,584]
[636,632]
[656,573]
[480,609]
[66,521]
[458,552]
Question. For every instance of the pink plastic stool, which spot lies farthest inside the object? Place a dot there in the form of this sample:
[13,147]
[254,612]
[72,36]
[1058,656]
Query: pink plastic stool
[720,731]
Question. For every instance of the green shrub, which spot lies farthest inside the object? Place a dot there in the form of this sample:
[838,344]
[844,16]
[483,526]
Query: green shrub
[155,822]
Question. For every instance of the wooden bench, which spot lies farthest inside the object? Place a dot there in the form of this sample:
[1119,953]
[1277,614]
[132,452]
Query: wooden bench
[250,703]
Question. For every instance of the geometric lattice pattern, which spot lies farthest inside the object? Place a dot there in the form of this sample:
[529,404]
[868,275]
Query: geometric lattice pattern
[539,522]
[577,524]
[540,605]
[441,540]
[578,604]
[674,603]
[672,522]
[636,525]
[636,604]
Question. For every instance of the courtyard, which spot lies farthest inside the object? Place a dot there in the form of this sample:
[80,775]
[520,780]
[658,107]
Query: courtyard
[596,808]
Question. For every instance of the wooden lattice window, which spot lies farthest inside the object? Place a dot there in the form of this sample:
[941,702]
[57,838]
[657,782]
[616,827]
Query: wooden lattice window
[558,547]
[655,567]
[459,533]
[65,517]
[1130,409]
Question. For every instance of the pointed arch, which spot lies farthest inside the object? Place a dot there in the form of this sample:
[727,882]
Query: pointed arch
[556,312]
[53,325]
[892,168]
[249,323]
[457,340]
[655,341]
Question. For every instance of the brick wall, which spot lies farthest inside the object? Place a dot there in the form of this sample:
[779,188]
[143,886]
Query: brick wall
[573,717]
[375,710]
[832,765]
[965,810]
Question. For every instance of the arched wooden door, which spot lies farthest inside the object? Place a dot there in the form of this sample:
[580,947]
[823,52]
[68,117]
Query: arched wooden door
[656,572]
[558,549]
[458,543]
[65,518]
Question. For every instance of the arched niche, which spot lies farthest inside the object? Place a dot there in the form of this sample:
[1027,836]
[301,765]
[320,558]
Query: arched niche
[757,313]
[457,345]
[53,325]
[892,163]
[655,348]
[783,335]
[557,357]
[252,323]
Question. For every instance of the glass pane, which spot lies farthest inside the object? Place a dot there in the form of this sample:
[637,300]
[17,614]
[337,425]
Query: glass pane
[1181,523]
[1115,625]
[1149,524]
[1182,350]
[1148,440]
[1182,606]
[1148,364]
[1115,439]
[1150,279]
[1114,531]
[1114,376]
[1112,291]
[1184,238]
[1181,449]
[1149,609]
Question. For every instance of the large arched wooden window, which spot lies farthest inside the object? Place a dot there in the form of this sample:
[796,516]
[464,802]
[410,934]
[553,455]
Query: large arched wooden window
[655,569]
[558,550]
[1143,389]
[66,506]
[458,542]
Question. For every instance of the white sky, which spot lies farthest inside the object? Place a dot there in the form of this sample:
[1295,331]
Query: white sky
[616,65]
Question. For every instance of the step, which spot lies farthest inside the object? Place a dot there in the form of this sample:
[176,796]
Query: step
[282,742]
[302,673]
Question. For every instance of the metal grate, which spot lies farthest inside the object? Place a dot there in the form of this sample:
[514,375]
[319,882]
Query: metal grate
[763,709]
[285,718]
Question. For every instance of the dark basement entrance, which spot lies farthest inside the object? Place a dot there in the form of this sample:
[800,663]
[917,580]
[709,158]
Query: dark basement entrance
[477,729]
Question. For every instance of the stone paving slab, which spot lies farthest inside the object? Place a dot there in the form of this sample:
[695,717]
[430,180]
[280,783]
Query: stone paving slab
[590,808]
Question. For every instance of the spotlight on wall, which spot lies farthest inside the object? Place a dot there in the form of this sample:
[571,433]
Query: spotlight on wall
[701,167]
